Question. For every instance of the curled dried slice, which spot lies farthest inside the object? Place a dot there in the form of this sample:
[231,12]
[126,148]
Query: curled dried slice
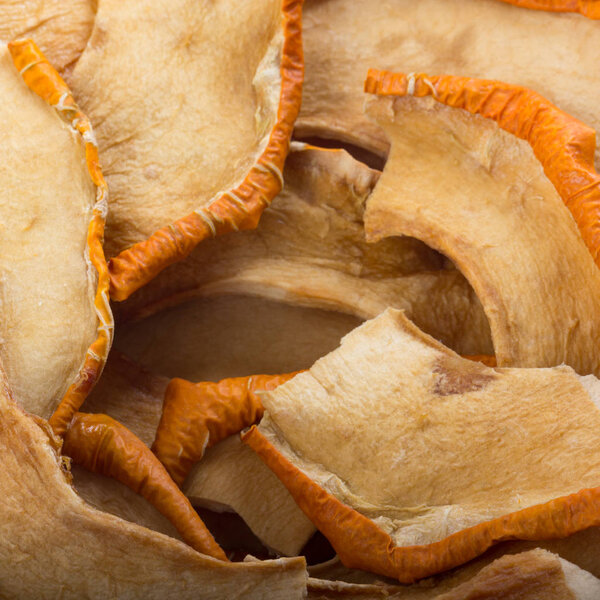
[60,28]
[342,40]
[469,455]
[56,330]
[222,80]
[196,416]
[55,544]
[102,445]
[533,575]
[310,250]
[477,193]
[230,476]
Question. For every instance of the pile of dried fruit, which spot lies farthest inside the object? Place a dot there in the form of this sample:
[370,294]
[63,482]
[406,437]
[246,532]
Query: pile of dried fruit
[444,226]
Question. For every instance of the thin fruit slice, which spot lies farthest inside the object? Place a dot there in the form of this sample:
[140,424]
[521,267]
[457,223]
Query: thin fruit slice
[486,199]
[221,80]
[60,28]
[310,250]
[230,477]
[55,544]
[533,575]
[412,460]
[342,40]
[57,324]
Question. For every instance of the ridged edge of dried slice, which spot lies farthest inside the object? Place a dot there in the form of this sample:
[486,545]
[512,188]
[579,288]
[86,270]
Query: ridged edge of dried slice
[587,8]
[239,208]
[41,78]
[564,145]
[361,544]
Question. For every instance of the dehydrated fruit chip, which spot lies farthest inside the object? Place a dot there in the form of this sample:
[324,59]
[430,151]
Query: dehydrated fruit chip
[412,460]
[194,105]
[57,324]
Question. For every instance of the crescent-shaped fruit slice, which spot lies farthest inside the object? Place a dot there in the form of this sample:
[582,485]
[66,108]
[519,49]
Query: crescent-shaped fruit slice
[412,460]
[310,250]
[60,28]
[533,575]
[342,40]
[470,188]
[57,324]
[53,544]
[194,104]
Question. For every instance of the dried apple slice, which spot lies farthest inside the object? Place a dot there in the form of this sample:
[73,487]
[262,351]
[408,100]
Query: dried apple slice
[533,575]
[60,28]
[310,250]
[53,543]
[342,40]
[220,80]
[467,186]
[57,323]
[469,455]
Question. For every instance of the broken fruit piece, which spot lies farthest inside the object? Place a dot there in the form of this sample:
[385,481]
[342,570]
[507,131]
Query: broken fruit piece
[412,460]
[196,416]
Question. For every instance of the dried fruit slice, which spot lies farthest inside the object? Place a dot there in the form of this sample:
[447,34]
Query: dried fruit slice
[342,40]
[230,477]
[53,543]
[310,250]
[57,325]
[533,575]
[469,455]
[60,28]
[478,194]
[222,81]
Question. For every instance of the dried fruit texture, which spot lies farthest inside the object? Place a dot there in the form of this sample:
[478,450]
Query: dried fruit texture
[56,330]
[230,476]
[533,575]
[60,28]
[103,445]
[470,455]
[343,40]
[120,559]
[310,250]
[589,8]
[196,416]
[479,195]
[249,53]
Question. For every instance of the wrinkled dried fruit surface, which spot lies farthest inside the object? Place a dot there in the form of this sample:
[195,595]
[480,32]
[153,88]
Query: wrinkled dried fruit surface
[46,205]
[345,39]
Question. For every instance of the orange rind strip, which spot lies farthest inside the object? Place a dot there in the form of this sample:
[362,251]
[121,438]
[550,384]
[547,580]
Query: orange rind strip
[233,210]
[102,445]
[588,8]
[361,544]
[43,79]
[563,145]
[196,416]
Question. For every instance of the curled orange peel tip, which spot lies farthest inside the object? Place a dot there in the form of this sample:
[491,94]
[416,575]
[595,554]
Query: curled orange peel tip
[102,445]
[43,80]
[196,416]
